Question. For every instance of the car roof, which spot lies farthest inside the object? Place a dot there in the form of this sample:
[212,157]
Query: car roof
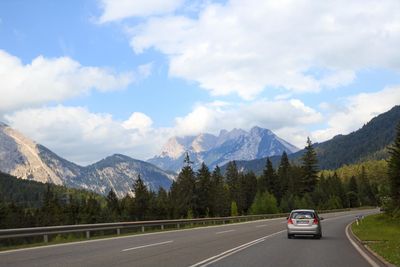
[303,210]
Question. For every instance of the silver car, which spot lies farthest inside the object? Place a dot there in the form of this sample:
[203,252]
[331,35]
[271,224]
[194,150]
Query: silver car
[304,222]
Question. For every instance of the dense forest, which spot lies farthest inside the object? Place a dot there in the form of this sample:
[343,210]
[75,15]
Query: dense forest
[201,193]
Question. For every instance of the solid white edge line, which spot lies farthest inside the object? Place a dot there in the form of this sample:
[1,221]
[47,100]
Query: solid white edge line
[149,245]
[263,225]
[228,253]
[223,232]
[232,251]
[362,253]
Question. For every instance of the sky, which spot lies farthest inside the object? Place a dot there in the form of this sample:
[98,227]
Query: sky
[91,78]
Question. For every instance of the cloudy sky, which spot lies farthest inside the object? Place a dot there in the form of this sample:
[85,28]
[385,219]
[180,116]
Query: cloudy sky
[91,78]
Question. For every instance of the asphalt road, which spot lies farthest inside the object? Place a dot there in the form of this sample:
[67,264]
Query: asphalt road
[261,243]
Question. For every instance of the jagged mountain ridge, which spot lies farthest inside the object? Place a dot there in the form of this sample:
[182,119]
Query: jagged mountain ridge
[213,150]
[23,158]
[368,142]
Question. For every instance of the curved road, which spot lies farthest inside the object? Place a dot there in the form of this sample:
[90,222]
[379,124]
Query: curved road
[259,243]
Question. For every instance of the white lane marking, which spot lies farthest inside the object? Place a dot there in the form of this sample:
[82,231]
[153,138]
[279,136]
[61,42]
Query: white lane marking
[363,254]
[232,251]
[156,233]
[261,225]
[223,232]
[134,236]
[150,245]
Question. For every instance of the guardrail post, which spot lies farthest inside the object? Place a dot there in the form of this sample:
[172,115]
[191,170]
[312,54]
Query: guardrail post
[118,231]
[142,229]
[87,234]
[178,226]
[46,238]
[162,226]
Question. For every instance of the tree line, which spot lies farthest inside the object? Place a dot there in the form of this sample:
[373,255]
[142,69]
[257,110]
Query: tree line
[204,193]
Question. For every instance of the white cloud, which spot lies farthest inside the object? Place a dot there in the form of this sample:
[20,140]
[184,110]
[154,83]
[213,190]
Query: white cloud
[138,121]
[121,9]
[356,111]
[288,118]
[55,79]
[245,46]
[84,137]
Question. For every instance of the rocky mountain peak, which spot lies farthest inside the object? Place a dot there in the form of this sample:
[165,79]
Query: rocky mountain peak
[236,144]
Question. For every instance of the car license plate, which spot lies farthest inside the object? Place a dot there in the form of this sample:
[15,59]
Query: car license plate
[302,222]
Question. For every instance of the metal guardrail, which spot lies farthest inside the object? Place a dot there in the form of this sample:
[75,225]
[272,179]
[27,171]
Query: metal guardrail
[88,228]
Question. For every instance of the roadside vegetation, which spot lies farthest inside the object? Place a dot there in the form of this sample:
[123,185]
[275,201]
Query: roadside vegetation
[382,232]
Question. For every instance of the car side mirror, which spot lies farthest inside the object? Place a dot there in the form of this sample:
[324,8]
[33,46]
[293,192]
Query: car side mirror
[321,218]
[287,218]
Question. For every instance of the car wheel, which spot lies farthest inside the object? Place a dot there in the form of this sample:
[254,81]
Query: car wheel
[318,236]
[290,236]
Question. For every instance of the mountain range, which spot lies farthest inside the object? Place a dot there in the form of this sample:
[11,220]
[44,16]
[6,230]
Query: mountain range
[213,150]
[23,158]
[368,142]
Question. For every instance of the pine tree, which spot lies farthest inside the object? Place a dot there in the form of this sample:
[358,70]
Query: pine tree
[352,193]
[366,195]
[51,210]
[141,199]
[338,190]
[394,170]
[203,198]
[310,168]
[268,181]
[320,195]
[220,194]
[92,210]
[182,190]
[284,174]
[248,189]
[161,205]
[232,180]
[113,205]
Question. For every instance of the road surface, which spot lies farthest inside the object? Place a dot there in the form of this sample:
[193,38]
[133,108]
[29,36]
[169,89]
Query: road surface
[259,243]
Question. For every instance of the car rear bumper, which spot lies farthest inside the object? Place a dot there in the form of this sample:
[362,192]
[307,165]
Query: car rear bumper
[303,230]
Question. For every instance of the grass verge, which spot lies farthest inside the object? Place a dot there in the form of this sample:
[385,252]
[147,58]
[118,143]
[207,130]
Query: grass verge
[382,234]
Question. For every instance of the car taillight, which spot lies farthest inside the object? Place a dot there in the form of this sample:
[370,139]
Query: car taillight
[315,221]
[290,221]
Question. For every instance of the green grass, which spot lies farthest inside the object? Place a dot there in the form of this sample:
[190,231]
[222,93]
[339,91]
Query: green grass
[382,234]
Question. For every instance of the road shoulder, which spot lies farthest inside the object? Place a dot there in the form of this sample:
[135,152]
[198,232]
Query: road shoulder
[370,256]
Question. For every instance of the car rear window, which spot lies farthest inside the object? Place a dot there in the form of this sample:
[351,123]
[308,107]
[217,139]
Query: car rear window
[302,215]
